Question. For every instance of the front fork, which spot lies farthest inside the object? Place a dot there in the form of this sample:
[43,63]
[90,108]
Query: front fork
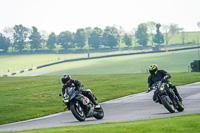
[172,97]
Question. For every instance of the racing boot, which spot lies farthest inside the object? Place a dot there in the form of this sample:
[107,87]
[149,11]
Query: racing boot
[93,100]
[91,97]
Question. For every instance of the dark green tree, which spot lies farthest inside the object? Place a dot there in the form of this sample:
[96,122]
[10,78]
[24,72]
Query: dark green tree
[158,37]
[111,37]
[80,38]
[20,35]
[4,43]
[65,39]
[35,38]
[127,39]
[95,38]
[141,34]
[51,41]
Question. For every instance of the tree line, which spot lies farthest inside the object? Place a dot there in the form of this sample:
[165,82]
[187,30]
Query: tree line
[19,37]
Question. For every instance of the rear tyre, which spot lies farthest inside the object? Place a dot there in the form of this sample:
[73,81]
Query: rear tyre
[77,111]
[100,113]
[167,105]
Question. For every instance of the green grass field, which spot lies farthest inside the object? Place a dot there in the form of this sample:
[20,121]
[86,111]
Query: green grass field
[15,63]
[178,61]
[38,96]
[177,124]
[171,61]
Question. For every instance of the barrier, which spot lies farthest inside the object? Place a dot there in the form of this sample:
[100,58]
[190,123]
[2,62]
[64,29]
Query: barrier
[22,71]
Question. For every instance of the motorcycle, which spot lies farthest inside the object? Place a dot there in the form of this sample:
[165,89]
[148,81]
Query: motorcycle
[167,97]
[80,106]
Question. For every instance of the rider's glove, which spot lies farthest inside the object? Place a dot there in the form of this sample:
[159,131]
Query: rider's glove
[150,88]
[166,77]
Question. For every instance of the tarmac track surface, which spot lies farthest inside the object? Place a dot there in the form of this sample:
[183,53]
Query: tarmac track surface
[134,107]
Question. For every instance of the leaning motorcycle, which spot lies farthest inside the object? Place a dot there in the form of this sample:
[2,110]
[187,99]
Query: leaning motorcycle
[167,97]
[80,106]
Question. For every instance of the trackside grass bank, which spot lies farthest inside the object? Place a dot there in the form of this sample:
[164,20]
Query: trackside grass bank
[24,98]
[174,61]
[177,124]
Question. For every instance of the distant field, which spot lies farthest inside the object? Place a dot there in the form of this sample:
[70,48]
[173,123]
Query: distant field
[170,61]
[15,63]
[19,62]
[189,37]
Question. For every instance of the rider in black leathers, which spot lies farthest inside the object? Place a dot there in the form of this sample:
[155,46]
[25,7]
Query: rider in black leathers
[68,82]
[158,75]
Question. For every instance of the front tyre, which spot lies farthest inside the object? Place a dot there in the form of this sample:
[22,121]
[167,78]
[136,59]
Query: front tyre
[100,113]
[169,106]
[180,106]
[77,111]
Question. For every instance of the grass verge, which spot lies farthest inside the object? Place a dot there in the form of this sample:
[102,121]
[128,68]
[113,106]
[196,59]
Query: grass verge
[177,124]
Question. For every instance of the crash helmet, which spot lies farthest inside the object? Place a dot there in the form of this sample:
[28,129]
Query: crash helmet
[65,78]
[153,68]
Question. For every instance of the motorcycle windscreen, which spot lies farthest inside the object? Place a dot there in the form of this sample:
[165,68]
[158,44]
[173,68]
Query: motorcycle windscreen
[157,84]
[69,91]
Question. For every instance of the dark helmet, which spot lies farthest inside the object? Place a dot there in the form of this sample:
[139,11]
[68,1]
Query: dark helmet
[153,69]
[65,78]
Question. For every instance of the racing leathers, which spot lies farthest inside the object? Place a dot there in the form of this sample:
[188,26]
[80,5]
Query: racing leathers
[79,87]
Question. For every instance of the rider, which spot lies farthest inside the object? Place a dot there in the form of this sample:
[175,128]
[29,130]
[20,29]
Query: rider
[68,82]
[158,75]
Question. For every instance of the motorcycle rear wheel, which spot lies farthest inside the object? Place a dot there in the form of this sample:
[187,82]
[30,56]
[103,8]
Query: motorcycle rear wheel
[100,113]
[167,105]
[77,111]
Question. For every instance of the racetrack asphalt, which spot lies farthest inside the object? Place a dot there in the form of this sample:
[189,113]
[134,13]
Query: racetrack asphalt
[133,107]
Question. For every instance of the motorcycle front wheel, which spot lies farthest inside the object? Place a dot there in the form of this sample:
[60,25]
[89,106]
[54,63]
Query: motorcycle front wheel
[77,111]
[169,106]
[180,106]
